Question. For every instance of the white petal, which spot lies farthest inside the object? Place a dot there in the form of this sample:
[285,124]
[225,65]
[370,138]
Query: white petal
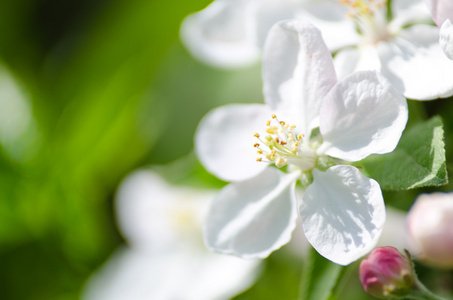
[298,72]
[222,34]
[416,64]
[328,16]
[362,115]
[219,277]
[407,12]
[342,213]
[446,38]
[269,12]
[188,275]
[252,218]
[331,18]
[131,275]
[224,140]
[155,215]
[350,60]
[440,10]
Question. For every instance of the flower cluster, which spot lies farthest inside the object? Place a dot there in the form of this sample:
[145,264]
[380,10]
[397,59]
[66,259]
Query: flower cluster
[322,115]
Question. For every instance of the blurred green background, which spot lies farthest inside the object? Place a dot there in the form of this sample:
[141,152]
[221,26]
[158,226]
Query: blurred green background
[89,91]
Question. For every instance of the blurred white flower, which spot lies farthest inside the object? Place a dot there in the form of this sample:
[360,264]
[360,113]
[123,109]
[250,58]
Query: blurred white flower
[442,12]
[394,232]
[19,135]
[342,211]
[166,258]
[231,33]
[430,229]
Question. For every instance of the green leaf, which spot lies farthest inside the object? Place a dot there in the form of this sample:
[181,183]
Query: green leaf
[418,161]
[319,278]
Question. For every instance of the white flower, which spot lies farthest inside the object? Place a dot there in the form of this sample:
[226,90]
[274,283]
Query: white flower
[429,226]
[342,211]
[442,11]
[230,33]
[166,258]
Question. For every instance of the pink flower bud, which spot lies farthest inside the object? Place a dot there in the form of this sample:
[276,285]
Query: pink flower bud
[430,229]
[386,273]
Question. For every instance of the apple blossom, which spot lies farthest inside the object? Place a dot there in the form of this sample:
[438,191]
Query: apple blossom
[166,258]
[231,33]
[442,12]
[315,126]
[429,225]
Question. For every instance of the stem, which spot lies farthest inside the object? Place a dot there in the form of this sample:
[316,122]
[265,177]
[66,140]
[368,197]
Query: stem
[420,292]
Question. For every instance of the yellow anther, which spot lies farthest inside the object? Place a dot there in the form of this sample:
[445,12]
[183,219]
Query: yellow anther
[283,143]
[282,123]
[292,127]
[274,116]
[259,152]
[268,122]
[256,145]
[256,135]
[300,136]
[286,126]
[275,127]
[259,159]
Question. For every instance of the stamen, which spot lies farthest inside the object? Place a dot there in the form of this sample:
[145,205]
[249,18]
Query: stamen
[256,145]
[281,146]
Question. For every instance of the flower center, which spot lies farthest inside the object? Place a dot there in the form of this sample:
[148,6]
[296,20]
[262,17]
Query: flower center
[284,146]
[370,17]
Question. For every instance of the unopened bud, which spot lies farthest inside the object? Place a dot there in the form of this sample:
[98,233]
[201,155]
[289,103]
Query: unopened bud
[386,273]
[430,229]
